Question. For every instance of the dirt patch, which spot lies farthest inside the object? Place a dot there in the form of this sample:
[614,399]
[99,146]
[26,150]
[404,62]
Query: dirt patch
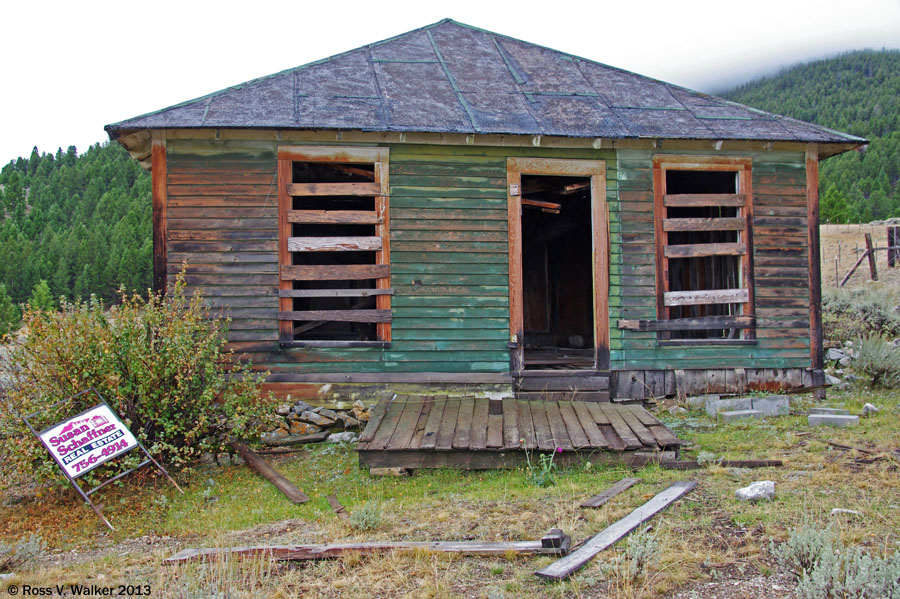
[728,587]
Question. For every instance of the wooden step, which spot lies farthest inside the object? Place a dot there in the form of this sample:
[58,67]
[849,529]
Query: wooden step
[563,395]
[563,383]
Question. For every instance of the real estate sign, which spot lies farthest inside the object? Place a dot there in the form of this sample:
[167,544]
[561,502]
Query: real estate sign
[87,440]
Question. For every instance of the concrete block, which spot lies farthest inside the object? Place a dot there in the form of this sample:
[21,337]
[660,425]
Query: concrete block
[832,420]
[832,411]
[773,405]
[739,415]
[699,401]
[714,406]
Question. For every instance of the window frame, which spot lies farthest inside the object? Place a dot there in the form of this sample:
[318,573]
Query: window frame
[378,157]
[743,199]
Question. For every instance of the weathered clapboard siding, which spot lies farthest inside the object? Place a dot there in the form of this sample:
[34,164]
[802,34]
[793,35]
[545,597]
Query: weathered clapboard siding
[780,270]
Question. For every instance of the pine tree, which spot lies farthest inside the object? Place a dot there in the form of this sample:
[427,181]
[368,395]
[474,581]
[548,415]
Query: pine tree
[10,316]
[41,299]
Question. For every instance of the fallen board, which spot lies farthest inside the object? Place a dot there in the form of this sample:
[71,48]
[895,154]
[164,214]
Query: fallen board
[601,498]
[694,464]
[289,489]
[554,542]
[562,568]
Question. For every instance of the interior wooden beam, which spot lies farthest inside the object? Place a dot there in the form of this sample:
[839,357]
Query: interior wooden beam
[334,244]
[337,315]
[333,217]
[704,224]
[539,204]
[335,272]
[334,189]
[695,250]
[575,188]
[711,296]
[703,199]
[353,170]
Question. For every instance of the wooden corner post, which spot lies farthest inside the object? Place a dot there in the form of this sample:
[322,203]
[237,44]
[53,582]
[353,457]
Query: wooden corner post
[159,199]
[817,357]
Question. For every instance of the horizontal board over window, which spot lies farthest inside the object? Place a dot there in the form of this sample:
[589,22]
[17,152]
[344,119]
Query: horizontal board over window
[712,296]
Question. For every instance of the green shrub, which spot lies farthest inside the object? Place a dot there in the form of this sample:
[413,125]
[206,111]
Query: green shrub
[160,362]
[367,516]
[879,359]
[851,313]
[13,555]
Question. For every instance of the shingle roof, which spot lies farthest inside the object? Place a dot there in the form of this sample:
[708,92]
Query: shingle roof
[453,78]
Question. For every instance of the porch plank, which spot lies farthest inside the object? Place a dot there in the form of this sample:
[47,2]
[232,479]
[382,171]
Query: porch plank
[388,424]
[434,422]
[570,419]
[510,424]
[448,426]
[557,426]
[543,436]
[621,427]
[589,425]
[478,438]
[526,426]
[464,423]
[406,426]
[419,434]
[643,434]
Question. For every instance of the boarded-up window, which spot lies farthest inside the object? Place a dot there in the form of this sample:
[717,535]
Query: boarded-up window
[334,248]
[704,244]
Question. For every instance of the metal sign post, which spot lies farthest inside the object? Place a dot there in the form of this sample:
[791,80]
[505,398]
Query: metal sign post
[88,440]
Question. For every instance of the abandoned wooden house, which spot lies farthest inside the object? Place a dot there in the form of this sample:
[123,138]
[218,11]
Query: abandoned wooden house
[453,208]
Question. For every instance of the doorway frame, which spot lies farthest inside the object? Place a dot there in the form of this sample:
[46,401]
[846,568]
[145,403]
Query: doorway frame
[596,171]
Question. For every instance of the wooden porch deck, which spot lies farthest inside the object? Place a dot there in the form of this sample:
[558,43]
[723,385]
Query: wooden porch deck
[414,431]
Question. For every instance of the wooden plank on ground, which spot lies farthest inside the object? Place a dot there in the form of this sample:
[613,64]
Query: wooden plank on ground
[542,435]
[388,424]
[615,442]
[621,427]
[601,498]
[375,419]
[478,436]
[564,567]
[646,418]
[444,439]
[464,423]
[664,436]
[434,423]
[557,426]
[338,508]
[262,467]
[510,424]
[526,427]
[576,433]
[589,425]
[406,426]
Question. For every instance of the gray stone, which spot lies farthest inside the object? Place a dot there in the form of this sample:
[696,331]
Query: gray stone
[761,489]
[845,361]
[832,420]
[735,415]
[868,410]
[207,458]
[838,511]
[852,378]
[832,380]
[283,410]
[840,411]
[304,428]
[301,406]
[6,576]
[676,410]
[345,437]
[773,405]
[348,420]
[714,406]
[330,414]
[833,355]
[698,401]
[224,459]
[316,419]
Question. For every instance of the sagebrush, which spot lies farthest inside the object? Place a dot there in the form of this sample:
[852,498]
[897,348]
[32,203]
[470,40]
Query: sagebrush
[159,361]
[878,359]
[20,552]
[848,314]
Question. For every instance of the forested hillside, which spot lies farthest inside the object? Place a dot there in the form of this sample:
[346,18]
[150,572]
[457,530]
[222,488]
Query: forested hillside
[80,223]
[857,93]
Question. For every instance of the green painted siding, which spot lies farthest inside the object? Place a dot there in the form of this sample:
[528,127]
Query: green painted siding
[780,270]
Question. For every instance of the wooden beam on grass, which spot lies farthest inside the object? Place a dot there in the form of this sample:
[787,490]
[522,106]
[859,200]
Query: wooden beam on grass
[564,567]
[338,508]
[264,469]
[554,543]
[601,498]
[695,465]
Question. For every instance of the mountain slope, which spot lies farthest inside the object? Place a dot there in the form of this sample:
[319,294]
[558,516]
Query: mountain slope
[857,93]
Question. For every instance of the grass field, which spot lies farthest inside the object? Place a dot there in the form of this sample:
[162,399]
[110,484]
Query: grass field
[705,539]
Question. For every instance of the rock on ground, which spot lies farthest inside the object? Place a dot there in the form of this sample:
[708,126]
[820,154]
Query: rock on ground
[761,489]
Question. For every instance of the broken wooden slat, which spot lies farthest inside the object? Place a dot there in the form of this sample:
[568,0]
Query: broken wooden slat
[294,440]
[643,434]
[406,426]
[601,498]
[554,543]
[704,224]
[444,439]
[562,568]
[694,250]
[334,189]
[334,244]
[335,272]
[433,423]
[419,434]
[264,469]
[589,425]
[338,315]
[338,509]
[388,424]
[333,217]
[681,200]
[333,292]
[621,427]
[689,324]
[495,431]
[711,296]
[540,204]
[375,419]
[573,427]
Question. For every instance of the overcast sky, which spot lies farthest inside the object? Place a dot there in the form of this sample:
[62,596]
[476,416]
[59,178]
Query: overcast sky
[71,67]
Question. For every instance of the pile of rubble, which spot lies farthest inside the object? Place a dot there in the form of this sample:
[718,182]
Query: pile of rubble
[301,420]
[837,363]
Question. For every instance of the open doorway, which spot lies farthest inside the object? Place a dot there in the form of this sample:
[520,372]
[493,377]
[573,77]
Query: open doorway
[557,273]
